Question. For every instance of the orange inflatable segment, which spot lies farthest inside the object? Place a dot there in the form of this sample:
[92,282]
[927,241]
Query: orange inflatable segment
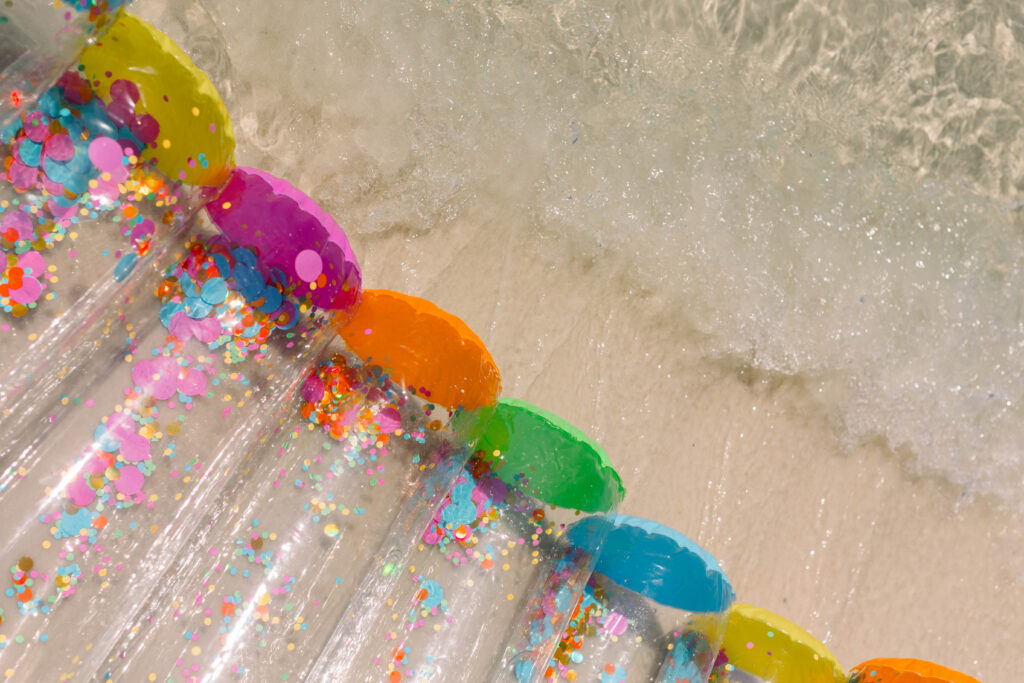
[430,351]
[907,671]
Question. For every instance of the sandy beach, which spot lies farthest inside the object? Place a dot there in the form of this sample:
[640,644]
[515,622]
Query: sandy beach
[876,552]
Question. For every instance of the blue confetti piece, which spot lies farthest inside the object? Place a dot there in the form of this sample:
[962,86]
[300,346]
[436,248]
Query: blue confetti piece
[30,152]
[125,266]
[214,291]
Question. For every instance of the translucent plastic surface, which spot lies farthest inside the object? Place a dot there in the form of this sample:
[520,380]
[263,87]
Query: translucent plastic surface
[97,174]
[39,39]
[618,636]
[352,477]
[467,598]
[101,492]
[77,216]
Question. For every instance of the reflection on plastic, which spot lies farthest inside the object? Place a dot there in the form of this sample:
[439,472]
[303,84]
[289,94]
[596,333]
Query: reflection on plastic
[353,473]
[492,583]
[350,476]
[82,208]
[98,504]
[39,39]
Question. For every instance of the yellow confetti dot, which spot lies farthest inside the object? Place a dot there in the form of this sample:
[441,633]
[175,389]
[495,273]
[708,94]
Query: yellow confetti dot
[510,596]
[166,144]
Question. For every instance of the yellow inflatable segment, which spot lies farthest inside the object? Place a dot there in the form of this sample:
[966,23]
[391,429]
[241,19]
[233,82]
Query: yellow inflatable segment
[195,143]
[774,649]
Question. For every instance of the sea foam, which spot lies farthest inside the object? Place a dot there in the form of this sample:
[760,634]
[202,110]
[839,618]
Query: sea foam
[824,189]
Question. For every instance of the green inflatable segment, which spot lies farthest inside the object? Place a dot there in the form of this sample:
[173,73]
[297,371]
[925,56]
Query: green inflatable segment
[549,458]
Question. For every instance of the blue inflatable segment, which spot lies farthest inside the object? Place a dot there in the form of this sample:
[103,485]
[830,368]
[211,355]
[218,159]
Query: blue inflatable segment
[655,561]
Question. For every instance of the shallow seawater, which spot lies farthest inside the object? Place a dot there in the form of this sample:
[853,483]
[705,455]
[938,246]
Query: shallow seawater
[818,203]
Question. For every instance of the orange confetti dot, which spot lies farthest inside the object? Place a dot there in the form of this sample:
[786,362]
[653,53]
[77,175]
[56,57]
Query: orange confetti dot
[227,609]
[14,275]
[395,677]
[25,595]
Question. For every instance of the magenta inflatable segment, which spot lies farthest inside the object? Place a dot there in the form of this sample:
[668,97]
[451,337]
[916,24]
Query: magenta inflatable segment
[291,233]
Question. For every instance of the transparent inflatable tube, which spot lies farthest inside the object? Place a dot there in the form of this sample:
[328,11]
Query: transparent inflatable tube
[355,472]
[493,562]
[99,503]
[893,670]
[39,40]
[761,647]
[655,609]
[85,198]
